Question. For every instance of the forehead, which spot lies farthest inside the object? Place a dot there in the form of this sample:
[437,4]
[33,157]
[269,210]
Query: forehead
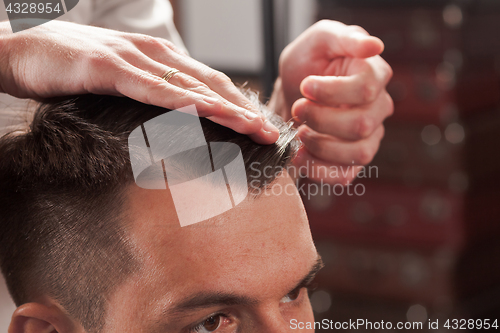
[241,251]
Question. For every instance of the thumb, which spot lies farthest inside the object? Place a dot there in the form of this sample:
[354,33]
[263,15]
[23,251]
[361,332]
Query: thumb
[361,45]
[340,40]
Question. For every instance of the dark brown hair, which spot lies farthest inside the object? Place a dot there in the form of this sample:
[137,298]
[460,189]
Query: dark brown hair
[62,185]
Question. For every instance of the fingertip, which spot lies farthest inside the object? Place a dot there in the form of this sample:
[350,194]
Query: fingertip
[299,110]
[304,132]
[266,134]
[368,46]
[381,45]
[271,132]
[375,46]
[308,86]
[263,137]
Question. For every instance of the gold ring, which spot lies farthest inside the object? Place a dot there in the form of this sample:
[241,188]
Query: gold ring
[168,74]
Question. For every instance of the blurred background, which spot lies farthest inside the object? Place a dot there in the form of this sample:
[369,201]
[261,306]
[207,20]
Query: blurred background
[422,243]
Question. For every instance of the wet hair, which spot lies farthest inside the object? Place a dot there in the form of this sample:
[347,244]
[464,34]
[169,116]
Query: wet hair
[63,223]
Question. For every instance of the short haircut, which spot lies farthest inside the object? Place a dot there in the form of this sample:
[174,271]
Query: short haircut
[62,194]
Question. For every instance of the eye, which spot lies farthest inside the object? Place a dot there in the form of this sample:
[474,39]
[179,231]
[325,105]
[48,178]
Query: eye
[209,325]
[291,296]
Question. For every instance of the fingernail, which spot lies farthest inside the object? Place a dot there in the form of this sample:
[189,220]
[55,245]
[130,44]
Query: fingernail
[250,115]
[300,114]
[269,127]
[305,133]
[309,88]
[211,100]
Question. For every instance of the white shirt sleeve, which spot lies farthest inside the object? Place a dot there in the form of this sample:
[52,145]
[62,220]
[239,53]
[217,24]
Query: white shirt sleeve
[150,17]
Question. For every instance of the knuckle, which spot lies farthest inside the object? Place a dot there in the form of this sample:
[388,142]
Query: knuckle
[364,126]
[189,81]
[202,86]
[326,23]
[365,154]
[141,79]
[218,77]
[357,28]
[320,24]
[100,59]
[200,89]
[183,94]
[389,71]
[153,42]
[368,93]
[167,44]
[390,104]
[148,42]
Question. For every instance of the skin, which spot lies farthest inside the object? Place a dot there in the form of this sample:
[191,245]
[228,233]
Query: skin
[332,81]
[258,252]
[64,58]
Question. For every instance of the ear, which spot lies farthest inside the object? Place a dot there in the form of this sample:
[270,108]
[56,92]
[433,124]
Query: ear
[40,318]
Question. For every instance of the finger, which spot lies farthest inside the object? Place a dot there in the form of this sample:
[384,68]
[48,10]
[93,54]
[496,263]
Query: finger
[344,40]
[332,150]
[362,45]
[146,42]
[215,80]
[212,105]
[370,77]
[173,47]
[338,90]
[150,89]
[218,82]
[181,80]
[344,123]
[228,117]
[230,114]
[318,170]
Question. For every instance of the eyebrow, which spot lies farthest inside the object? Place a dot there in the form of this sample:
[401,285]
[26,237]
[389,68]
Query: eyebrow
[308,279]
[204,300]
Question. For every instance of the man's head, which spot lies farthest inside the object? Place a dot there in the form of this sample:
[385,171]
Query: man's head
[85,249]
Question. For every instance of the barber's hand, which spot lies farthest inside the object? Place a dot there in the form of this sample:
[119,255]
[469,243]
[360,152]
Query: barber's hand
[62,58]
[332,81]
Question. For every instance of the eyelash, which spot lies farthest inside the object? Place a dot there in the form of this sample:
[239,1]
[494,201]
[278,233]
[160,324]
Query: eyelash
[298,293]
[310,286]
[196,328]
